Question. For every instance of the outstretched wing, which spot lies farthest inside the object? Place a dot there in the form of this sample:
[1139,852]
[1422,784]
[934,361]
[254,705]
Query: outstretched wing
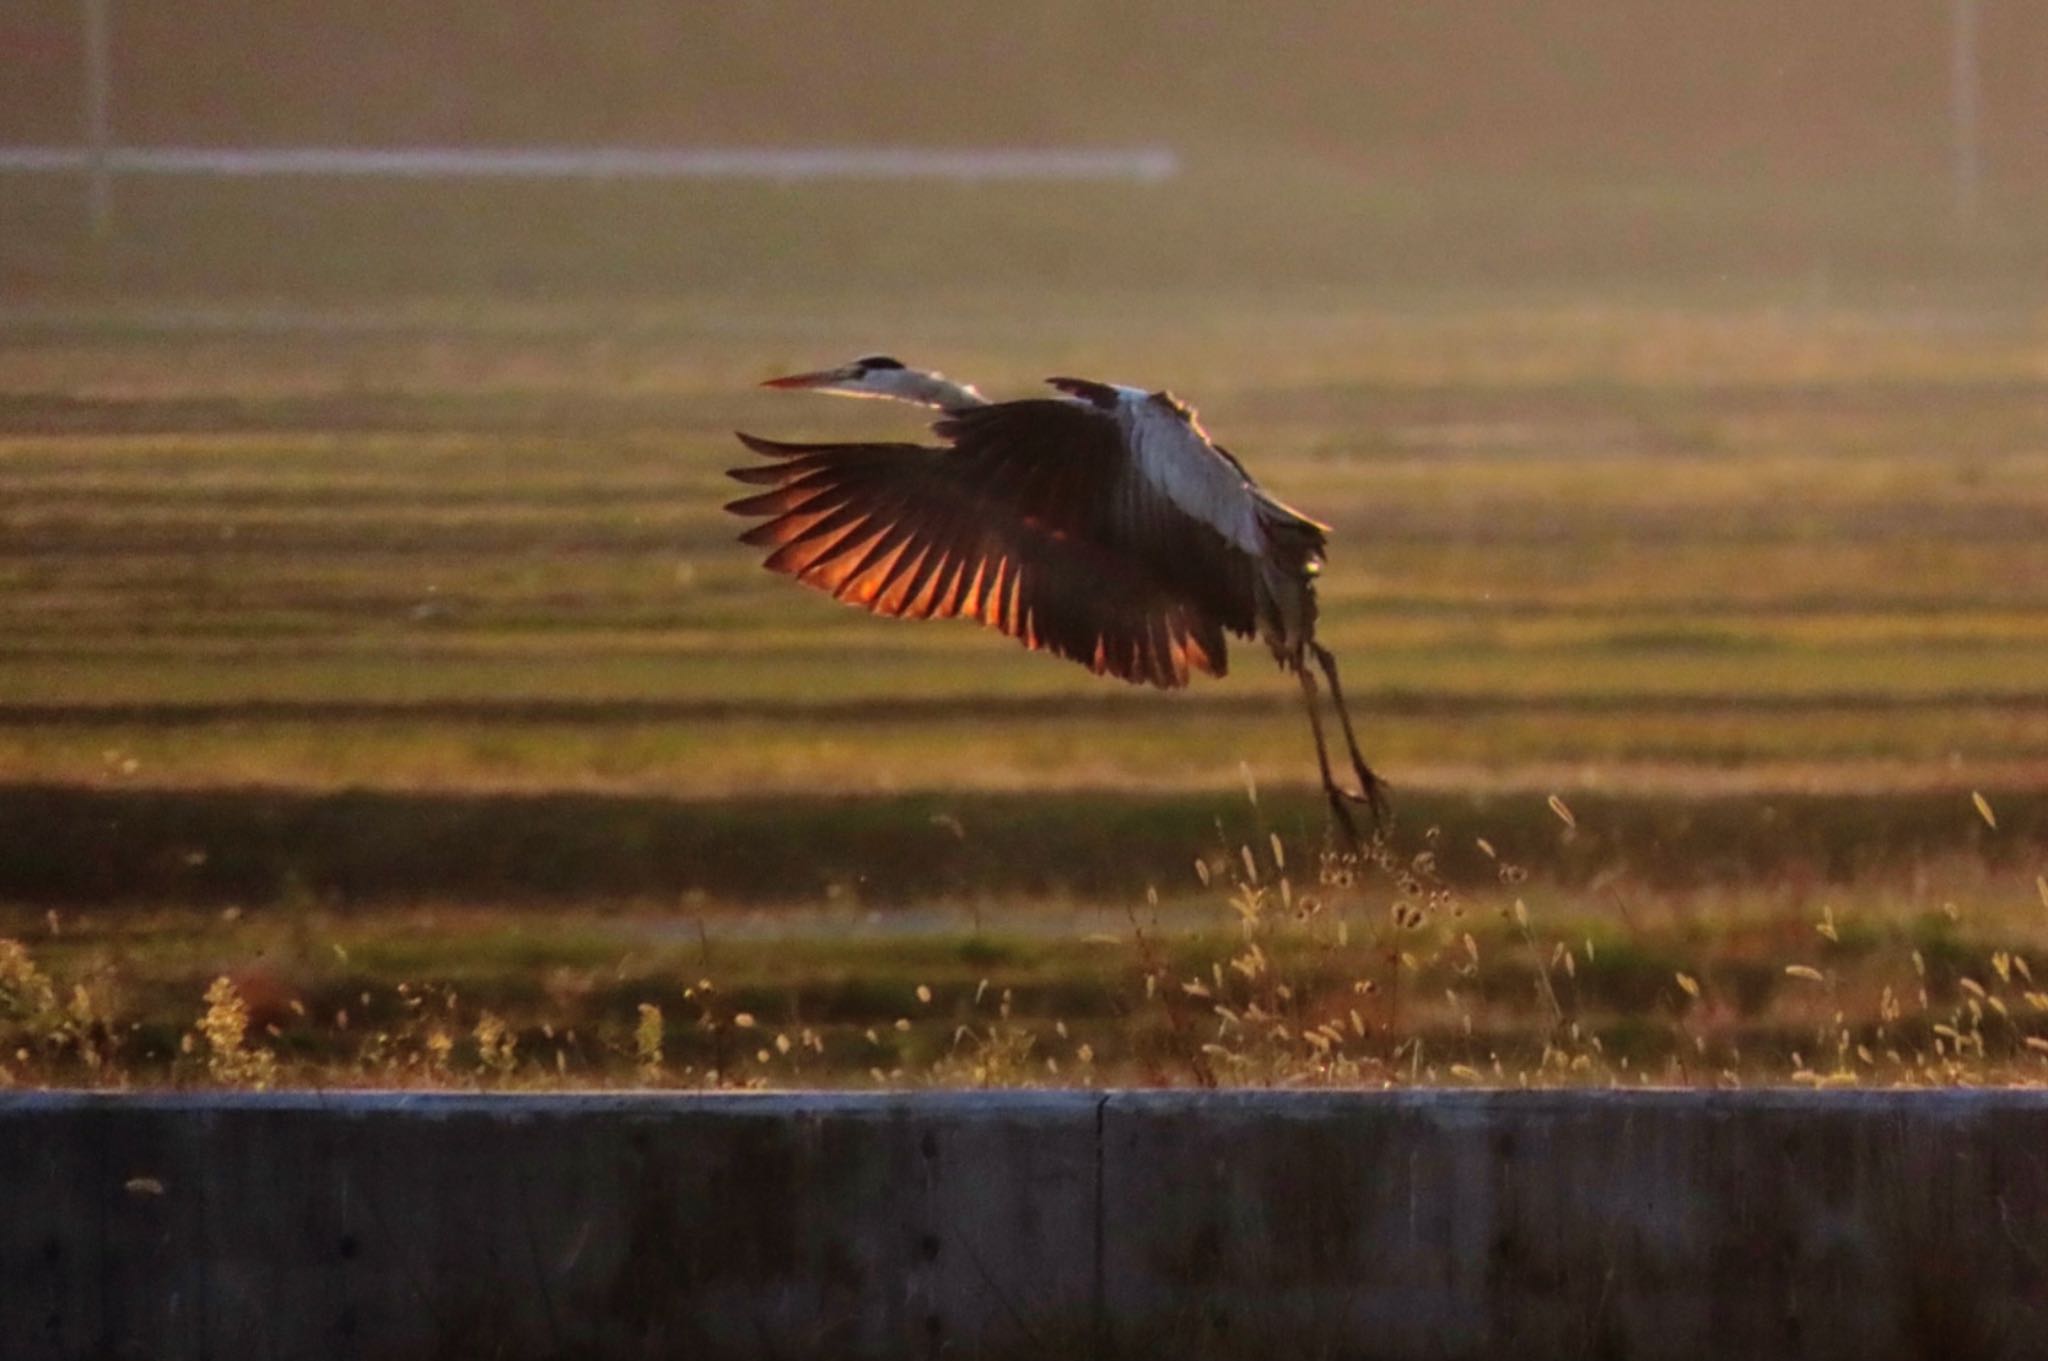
[1031,522]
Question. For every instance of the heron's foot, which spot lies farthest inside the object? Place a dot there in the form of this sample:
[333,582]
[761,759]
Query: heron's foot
[1340,817]
[1342,801]
[1372,796]
[1375,796]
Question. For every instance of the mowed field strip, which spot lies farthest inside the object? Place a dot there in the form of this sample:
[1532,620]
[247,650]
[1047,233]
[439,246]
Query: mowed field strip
[1580,546]
[403,670]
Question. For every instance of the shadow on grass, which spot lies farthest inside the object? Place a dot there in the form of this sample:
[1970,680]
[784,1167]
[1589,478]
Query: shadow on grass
[71,844]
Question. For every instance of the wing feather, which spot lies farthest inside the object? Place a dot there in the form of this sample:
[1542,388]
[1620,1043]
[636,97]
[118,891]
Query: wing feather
[921,584]
[894,592]
[800,557]
[1072,467]
[1040,520]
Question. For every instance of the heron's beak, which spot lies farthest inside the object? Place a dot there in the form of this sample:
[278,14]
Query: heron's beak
[822,378]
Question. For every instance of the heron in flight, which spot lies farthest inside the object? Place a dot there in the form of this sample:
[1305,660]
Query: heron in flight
[1102,525]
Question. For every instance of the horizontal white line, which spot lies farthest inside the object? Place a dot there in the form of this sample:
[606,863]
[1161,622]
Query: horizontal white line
[1142,164]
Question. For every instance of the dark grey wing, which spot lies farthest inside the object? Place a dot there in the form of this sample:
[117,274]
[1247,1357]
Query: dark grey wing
[1017,526]
[1127,512]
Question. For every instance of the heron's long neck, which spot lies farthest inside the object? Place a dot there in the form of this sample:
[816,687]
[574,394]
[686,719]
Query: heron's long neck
[929,389]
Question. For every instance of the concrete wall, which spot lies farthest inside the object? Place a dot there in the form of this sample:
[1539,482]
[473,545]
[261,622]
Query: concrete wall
[1861,1225]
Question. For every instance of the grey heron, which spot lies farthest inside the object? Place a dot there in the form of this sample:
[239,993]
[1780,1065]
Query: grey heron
[1103,526]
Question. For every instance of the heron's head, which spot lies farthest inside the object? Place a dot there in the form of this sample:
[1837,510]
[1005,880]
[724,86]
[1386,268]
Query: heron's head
[875,375]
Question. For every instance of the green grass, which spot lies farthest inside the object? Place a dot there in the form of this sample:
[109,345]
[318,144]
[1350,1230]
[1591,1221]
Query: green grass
[1638,538]
[1286,976]
[875,746]
[369,849]
[478,547]
[370,633]
[420,654]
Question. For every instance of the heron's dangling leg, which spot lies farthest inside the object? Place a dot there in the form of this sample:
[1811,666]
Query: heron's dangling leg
[1340,798]
[1374,787]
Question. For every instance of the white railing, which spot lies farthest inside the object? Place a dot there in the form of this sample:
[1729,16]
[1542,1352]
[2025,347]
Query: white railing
[1138,165]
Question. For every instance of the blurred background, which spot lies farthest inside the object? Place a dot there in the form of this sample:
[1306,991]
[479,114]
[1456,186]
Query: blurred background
[1584,143]
[1674,378]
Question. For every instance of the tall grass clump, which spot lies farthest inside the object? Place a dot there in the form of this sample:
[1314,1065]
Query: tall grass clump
[48,1033]
[1376,970]
[1422,958]
[221,1040]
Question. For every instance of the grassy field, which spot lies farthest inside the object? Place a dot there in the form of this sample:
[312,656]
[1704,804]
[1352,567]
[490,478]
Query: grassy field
[409,646]
[457,559]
